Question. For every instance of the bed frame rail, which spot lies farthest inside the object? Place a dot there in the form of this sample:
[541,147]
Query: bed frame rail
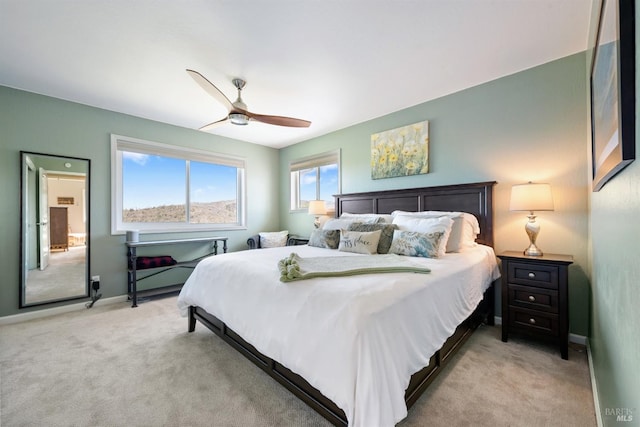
[289,379]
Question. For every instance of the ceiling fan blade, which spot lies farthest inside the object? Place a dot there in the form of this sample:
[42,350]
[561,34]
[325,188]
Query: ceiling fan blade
[210,88]
[279,120]
[214,124]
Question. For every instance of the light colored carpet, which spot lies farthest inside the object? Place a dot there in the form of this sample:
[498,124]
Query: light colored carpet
[117,366]
[64,277]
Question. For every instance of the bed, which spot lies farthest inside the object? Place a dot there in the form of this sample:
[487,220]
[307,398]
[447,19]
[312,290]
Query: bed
[377,340]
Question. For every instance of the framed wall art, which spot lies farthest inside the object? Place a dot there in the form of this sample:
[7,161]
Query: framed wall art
[402,151]
[65,200]
[613,91]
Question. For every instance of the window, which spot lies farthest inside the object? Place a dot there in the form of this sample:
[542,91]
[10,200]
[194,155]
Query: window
[162,188]
[315,178]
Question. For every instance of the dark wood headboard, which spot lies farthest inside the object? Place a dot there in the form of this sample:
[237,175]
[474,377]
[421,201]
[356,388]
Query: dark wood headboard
[476,198]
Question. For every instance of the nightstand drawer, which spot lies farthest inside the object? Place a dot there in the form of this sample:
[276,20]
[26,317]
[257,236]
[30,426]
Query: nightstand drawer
[540,275]
[533,321]
[533,298]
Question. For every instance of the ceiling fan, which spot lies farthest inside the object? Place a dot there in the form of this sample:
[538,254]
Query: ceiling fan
[238,113]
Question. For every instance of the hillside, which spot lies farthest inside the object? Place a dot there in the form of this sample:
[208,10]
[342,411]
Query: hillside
[222,212]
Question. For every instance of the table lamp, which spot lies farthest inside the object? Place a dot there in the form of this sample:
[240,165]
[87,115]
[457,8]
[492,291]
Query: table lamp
[531,197]
[317,208]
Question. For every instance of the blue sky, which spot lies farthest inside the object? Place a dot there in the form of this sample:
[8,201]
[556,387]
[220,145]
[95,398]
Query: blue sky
[151,180]
[328,183]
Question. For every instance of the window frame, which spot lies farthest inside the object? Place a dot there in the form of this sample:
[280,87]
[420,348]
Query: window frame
[121,143]
[310,162]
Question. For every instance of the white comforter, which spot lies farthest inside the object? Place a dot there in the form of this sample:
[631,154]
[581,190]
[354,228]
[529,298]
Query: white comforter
[356,339]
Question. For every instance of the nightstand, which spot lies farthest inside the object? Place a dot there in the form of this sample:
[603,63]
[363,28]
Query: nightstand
[535,297]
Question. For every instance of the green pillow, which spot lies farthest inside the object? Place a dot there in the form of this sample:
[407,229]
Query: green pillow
[386,235]
[325,239]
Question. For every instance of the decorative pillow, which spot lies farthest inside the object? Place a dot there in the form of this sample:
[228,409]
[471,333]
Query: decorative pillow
[427,225]
[325,239]
[143,262]
[411,243]
[386,235]
[273,239]
[359,242]
[464,231]
[367,218]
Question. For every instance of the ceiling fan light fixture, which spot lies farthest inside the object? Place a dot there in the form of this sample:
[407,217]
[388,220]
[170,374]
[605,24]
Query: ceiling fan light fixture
[239,119]
[238,112]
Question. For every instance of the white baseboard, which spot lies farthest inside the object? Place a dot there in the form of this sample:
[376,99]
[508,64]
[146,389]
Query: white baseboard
[578,339]
[574,338]
[594,387]
[37,314]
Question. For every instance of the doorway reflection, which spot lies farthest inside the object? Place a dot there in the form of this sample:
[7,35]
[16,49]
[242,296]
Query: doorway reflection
[54,228]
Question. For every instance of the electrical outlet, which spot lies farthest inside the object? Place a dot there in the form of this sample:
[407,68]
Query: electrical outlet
[95,278]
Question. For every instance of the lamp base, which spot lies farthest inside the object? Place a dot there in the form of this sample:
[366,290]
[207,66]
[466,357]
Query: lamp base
[532,228]
[533,250]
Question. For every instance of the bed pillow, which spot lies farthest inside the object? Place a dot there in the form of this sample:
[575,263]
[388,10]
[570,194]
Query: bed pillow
[325,239]
[359,242]
[368,218]
[273,239]
[464,231]
[416,224]
[386,233]
[411,243]
[338,224]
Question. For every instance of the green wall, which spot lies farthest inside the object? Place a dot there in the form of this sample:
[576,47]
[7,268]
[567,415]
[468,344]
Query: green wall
[615,278]
[529,126]
[37,123]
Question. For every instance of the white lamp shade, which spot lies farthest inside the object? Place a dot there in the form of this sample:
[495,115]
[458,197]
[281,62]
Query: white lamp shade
[531,197]
[317,207]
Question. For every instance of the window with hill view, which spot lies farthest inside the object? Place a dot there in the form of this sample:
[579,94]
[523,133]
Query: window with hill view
[158,187]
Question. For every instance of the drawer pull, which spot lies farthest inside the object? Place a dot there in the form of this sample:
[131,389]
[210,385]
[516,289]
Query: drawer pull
[532,321]
[532,275]
[532,298]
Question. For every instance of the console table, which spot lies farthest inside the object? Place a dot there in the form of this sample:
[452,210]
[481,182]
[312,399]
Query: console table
[132,270]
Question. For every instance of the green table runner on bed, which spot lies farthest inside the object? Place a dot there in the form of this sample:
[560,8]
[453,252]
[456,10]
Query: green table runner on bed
[294,267]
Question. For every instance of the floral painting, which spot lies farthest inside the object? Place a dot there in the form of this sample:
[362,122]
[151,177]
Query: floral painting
[402,151]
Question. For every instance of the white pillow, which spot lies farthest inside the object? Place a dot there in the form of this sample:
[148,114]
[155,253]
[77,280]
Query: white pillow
[427,225]
[273,239]
[338,224]
[464,232]
[362,242]
[368,218]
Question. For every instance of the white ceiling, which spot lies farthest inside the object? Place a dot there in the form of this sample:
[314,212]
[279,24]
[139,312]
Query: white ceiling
[334,62]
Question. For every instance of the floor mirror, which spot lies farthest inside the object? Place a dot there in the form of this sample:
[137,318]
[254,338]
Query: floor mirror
[54,228]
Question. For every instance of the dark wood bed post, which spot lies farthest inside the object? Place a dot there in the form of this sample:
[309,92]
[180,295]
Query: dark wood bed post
[474,198]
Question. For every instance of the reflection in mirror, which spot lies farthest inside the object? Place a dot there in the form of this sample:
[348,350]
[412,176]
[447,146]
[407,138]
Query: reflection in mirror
[54,228]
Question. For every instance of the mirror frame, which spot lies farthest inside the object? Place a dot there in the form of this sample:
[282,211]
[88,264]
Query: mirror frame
[22,294]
